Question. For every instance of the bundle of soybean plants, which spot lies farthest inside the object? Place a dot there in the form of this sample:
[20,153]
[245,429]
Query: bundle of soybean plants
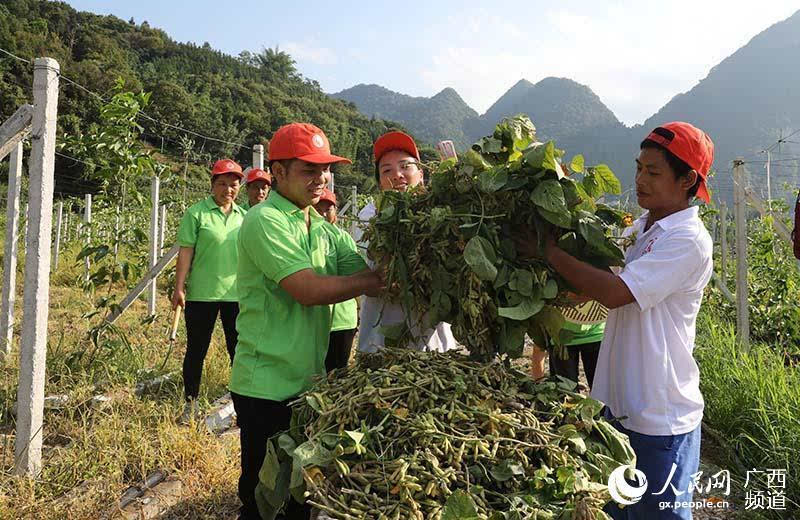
[449,247]
[403,434]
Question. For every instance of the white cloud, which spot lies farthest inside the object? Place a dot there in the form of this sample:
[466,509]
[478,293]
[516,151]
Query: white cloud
[311,52]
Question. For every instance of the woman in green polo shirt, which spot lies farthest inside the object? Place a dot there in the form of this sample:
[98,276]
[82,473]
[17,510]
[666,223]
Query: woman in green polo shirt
[205,279]
[584,345]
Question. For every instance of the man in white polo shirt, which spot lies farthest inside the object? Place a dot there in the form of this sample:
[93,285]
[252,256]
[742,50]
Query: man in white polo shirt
[646,374]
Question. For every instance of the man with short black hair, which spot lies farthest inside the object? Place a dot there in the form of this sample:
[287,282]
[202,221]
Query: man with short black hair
[646,374]
[293,266]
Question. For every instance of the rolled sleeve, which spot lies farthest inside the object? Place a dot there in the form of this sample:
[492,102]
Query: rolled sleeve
[268,242]
[673,265]
[348,260]
[188,229]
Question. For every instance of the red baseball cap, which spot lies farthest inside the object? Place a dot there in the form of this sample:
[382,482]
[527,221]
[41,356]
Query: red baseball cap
[257,174]
[302,141]
[689,144]
[329,196]
[394,141]
[224,166]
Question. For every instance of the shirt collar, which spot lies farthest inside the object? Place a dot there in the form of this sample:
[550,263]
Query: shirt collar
[673,220]
[283,204]
[212,205]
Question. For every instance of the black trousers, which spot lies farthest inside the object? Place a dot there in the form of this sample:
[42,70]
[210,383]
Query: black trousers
[340,345]
[200,319]
[258,421]
[569,367]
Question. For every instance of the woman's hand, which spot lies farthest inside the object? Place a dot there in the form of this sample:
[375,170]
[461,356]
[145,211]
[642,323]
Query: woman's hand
[179,298]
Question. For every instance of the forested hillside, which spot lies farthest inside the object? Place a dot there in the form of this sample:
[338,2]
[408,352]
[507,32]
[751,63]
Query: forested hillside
[241,100]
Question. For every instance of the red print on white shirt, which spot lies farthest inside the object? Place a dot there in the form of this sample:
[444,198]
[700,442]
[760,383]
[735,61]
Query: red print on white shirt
[649,246]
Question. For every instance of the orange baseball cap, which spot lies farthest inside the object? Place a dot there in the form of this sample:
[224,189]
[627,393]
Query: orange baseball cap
[329,196]
[224,166]
[257,174]
[394,141]
[691,145]
[302,141]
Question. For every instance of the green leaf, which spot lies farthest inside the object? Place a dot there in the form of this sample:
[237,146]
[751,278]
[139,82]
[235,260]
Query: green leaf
[459,506]
[608,181]
[557,218]
[591,186]
[524,282]
[268,474]
[286,443]
[446,165]
[312,453]
[549,195]
[480,256]
[493,180]
[355,435]
[550,289]
[523,311]
[542,156]
[506,470]
[488,145]
[576,164]
[551,319]
[576,196]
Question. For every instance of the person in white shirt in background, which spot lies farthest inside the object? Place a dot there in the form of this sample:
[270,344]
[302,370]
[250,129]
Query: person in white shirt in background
[397,167]
[646,374]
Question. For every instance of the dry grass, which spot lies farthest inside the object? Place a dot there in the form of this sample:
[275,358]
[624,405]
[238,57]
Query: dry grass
[91,454]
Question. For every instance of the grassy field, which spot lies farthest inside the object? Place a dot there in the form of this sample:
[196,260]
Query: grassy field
[92,454]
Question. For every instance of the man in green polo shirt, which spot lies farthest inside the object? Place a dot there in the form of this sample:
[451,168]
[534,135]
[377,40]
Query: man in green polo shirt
[293,266]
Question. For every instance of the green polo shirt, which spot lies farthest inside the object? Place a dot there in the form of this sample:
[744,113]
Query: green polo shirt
[212,234]
[282,344]
[583,334]
[345,316]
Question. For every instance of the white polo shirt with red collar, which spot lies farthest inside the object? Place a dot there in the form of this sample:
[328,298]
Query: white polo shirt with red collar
[645,370]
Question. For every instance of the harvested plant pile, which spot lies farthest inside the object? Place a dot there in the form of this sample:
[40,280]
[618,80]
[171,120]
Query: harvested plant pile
[414,435]
[450,251]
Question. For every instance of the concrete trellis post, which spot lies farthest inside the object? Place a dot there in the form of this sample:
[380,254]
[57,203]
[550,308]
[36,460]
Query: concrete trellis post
[57,245]
[87,221]
[740,210]
[162,229]
[11,250]
[258,156]
[151,289]
[36,291]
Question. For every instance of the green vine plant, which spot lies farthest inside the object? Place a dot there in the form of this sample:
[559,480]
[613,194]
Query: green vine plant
[123,168]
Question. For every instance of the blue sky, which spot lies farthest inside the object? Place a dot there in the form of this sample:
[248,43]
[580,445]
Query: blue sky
[635,55]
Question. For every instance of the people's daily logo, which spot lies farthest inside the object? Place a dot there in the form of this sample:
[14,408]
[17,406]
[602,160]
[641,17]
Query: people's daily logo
[622,492]
[317,141]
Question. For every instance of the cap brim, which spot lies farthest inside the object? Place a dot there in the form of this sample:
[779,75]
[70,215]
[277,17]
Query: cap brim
[395,141]
[324,158]
[238,174]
